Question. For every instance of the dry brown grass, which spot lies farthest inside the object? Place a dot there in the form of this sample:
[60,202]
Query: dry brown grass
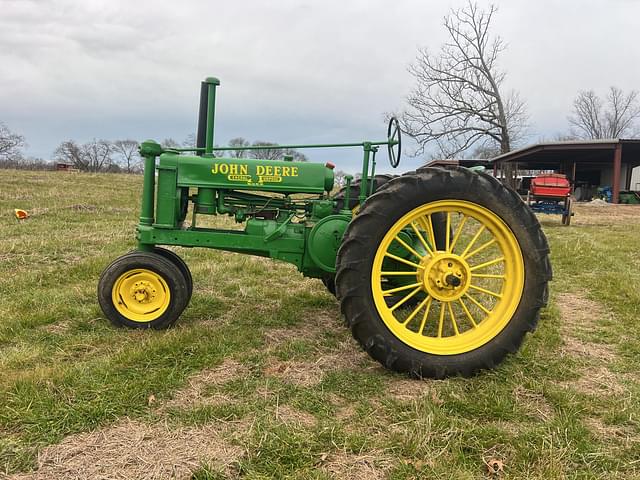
[135,450]
[193,393]
[345,465]
[293,417]
[607,214]
[310,373]
[580,315]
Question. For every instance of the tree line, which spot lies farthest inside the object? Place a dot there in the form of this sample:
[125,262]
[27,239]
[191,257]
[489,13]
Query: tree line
[119,156]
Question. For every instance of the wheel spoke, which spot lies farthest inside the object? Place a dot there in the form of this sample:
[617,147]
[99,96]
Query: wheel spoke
[488,275]
[426,314]
[416,311]
[407,246]
[402,260]
[400,289]
[481,248]
[458,232]
[401,302]
[453,319]
[427,224]
[473,240]
[486,264]
[391,274]
[478,304]
[468,313]
[448,233]
[441,320]
[422,240]
[488,292]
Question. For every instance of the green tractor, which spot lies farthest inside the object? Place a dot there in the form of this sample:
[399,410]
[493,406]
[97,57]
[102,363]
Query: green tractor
[438,272]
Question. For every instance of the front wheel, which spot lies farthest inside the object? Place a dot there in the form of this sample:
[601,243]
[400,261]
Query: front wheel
[142,290]
[435,310]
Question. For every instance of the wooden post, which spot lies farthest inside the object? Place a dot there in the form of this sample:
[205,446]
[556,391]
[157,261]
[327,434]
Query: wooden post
[617,166]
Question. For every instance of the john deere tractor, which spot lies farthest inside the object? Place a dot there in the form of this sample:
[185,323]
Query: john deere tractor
[438,272]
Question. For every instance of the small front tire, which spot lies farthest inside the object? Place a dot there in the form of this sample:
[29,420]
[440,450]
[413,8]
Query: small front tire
[142,290]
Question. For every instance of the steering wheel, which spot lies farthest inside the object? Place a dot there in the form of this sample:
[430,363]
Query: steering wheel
[393,137]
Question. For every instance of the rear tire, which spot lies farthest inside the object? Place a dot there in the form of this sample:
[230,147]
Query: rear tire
[522,275]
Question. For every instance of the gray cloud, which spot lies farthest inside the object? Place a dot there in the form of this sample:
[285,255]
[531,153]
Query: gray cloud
[291,71]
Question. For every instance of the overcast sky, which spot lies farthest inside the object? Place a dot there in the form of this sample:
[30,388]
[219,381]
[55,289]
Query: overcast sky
[291,71]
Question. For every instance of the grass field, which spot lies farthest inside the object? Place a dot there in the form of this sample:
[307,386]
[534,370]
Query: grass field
[260,379]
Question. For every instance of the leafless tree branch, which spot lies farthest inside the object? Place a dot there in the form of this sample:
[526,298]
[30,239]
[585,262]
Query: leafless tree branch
[457,103]
[615,117]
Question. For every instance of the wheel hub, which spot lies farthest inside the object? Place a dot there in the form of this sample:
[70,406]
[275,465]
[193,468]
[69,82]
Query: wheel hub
[445,276]
[143,292]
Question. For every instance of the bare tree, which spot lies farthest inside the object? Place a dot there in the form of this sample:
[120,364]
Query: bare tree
[169,143]
[127,150]
[189,141]
[238,142]
[70,152]
[458,101]
[614,117]
[98,155]
[93,156]
[266,153]
[10,144]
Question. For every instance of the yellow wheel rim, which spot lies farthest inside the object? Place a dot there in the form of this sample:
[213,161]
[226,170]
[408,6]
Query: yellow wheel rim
[454,300]
[140,295]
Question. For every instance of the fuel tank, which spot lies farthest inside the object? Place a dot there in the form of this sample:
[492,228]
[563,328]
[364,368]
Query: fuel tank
[249,174]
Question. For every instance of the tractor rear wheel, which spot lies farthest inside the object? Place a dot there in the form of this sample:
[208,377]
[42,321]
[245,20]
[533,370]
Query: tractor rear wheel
[478,294]
[142,290]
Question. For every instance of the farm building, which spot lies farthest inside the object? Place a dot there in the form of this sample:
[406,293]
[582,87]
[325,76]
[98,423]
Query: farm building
[612,165]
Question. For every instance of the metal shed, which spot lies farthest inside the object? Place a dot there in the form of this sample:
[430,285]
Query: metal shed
[602,162]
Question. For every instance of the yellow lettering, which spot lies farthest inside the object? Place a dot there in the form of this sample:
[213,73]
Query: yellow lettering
[294,171]
[269,170]
[214,169]
[244,169]
[277,171]
[286,171]
[260,170]
[224,168]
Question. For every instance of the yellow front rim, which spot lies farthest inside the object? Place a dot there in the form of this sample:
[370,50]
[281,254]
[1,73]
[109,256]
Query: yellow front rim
[140,295]
[452,300]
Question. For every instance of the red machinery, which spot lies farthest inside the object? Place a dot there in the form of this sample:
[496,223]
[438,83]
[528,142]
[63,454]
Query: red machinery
[551,193]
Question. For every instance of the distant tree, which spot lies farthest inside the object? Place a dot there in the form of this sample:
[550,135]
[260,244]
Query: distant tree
[70,152]
[339,175]
[127,151]
[485,152]
[615,116]
[169,143]
[10,144]
[98,155]
[238,142]
[266,153]
[93,156]
[189,141]
[459,100]
[297,156]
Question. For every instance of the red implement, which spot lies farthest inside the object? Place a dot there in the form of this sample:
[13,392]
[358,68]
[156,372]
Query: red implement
[550,185]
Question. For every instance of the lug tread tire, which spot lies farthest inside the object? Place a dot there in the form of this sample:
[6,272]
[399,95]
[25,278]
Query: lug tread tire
[383,209]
